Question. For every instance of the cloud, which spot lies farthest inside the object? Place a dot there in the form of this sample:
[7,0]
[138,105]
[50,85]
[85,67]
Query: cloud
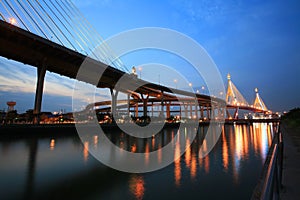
[16,78]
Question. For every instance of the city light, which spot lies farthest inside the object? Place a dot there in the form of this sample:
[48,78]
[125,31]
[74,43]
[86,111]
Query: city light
[175,81]
[140,69]
[12,20]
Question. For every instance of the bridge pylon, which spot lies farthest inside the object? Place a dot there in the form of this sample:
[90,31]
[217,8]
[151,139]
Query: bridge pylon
[234,99]
[258,102]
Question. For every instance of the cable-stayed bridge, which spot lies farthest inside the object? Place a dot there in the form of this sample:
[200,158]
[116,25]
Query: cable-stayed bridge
[55,36]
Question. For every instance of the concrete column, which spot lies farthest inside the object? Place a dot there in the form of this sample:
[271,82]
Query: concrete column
[152,109]
[201,112]
[114,96]
[168,110]
[41,72]
[207,112]
[128,104]
[180,114]
[191,110]
[236,113]
[145,104]
[185,110]
[228,114]
[137,109]
[196,109]
[213,114]
[162,105]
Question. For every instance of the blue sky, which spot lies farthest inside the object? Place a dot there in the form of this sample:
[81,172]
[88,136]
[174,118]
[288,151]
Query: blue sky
[257,42]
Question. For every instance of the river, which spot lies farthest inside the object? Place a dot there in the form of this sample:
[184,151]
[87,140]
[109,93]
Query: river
[61,167]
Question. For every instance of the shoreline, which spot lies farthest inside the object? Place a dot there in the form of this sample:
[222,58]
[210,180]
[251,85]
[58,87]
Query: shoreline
[15,130]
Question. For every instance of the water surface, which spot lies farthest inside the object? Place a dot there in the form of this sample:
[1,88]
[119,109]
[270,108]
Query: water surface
[61,167]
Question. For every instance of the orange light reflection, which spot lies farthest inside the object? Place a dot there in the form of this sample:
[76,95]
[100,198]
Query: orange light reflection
[137,186]
[177,169]
[52,144]
[86,151]
[225,154]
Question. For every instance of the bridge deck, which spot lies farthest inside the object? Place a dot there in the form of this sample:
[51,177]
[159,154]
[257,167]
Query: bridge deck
[28,48]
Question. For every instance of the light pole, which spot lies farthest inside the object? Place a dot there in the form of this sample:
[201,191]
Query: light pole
[202,88]
[140,69]
[175,81]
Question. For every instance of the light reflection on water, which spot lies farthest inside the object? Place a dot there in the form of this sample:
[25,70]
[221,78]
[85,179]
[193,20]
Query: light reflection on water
[43,167]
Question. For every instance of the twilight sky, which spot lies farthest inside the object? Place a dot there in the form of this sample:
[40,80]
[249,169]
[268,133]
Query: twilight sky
[257,42]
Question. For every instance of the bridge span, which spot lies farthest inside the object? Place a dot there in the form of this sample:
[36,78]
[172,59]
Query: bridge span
[29,48]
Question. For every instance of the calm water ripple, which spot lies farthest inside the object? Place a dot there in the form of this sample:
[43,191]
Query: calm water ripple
[61,167]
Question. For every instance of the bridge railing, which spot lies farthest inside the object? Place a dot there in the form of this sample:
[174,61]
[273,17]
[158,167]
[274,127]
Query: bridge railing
[270,182]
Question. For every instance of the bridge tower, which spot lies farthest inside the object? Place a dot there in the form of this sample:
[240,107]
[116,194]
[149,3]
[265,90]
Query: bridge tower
[258,102]
[234,99]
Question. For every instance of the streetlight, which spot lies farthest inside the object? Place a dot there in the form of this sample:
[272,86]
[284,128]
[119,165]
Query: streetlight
[12,20]
[190,84]
[203,88]
[175,81]
[140,69]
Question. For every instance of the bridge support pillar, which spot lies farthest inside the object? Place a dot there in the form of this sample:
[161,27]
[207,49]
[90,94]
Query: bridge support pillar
[114,96]
[208,112]
[228,114]
[180,114]
[213,114]
[41,72]
[162,105]
[137,109]
[236,113]
[196,109]
[191,110]
[201,113]
[145,104]
[152,110]
[185,110]
[128,105]
[168,110]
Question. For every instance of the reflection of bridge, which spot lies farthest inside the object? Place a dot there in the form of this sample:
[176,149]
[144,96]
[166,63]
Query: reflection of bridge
[51,36]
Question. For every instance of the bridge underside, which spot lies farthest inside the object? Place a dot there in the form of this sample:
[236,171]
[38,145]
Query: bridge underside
[25,47]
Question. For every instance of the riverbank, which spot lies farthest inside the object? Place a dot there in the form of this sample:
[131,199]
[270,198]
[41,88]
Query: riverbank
[16,130]
[291,162]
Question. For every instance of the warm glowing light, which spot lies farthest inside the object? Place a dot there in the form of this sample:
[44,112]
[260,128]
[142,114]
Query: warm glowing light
[95,140]
[159,153]
[153,142]
[147,153]
[52,144]
[86,151]
[190,84]
[206,164]
[133,148]
[225,154]
[193,167]
[140,69]
[12,20]
[177,169]
[137,186]
[187,153]
[228,76]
